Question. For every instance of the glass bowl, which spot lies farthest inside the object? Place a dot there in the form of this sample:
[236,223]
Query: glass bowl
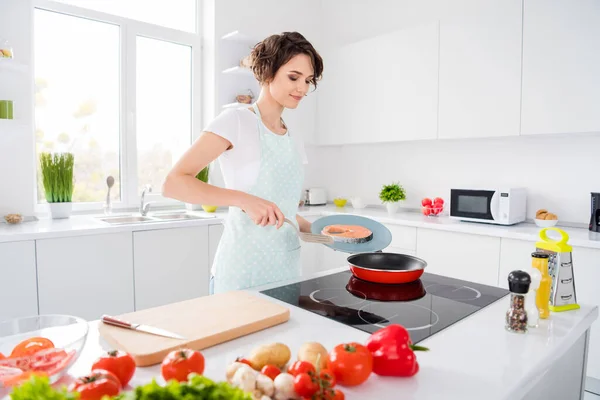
[66,333]
[432,211]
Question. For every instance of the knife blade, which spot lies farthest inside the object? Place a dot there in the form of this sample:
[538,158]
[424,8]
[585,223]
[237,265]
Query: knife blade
[107,319]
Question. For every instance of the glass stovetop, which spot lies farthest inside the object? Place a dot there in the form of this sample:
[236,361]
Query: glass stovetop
[424,307]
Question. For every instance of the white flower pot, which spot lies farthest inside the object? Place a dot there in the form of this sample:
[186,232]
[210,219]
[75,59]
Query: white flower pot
[392,208]
[193,207]
[60,210]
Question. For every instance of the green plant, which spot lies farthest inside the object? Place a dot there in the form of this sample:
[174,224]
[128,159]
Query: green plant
[203,175]
[57,176]
[392,193]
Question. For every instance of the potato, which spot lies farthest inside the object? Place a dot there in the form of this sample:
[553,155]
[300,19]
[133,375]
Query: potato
[277,354]
[309,352]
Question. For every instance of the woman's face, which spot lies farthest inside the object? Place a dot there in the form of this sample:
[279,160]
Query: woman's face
[292,81]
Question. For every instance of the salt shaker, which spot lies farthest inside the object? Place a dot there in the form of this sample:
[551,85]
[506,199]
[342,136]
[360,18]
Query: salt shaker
[533,315]
[516,316]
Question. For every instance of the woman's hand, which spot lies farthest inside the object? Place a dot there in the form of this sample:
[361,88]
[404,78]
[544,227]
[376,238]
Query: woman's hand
[261,211]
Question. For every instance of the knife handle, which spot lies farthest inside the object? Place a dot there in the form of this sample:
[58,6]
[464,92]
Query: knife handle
[116,322]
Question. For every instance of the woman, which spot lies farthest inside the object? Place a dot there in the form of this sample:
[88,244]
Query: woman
[261,161]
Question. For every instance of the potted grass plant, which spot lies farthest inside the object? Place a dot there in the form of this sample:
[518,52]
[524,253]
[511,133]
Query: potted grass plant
[391,195]
[202,176]
[57,179]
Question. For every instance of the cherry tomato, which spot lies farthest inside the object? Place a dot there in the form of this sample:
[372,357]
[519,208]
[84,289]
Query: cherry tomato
[31,346]
[327,378]
[119,363]
[244,360]
[178,364]
[338,395]
[305,385]
[271,371]
[301,366]
[96,385]
[351,363]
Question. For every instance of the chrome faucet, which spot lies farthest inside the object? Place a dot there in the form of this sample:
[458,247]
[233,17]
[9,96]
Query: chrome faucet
[144,207]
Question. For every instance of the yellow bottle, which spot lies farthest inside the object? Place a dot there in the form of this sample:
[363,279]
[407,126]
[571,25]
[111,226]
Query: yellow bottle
[539,261]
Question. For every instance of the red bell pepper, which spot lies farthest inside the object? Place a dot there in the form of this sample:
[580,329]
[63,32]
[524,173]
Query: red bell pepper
[393,352]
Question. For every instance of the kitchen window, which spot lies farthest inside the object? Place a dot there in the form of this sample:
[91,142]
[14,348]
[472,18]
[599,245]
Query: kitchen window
[115,91]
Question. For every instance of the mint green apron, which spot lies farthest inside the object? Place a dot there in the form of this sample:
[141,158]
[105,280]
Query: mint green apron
[250,255]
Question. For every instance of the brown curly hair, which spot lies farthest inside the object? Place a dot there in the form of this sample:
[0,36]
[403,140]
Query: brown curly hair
[269,55]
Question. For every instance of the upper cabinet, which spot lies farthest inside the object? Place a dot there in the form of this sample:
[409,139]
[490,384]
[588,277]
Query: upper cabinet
[480,69]
[381,89]
[561,65]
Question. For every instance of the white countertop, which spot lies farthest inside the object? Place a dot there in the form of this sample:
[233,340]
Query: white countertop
[476,358]
[90,224]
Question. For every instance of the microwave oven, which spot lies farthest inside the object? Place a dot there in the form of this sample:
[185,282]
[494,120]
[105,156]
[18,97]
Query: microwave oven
[494,206]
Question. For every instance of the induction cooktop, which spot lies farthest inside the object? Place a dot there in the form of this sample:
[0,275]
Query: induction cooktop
[424,307]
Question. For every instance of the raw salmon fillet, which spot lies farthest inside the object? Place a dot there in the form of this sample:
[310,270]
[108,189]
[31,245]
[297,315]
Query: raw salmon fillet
[348,233]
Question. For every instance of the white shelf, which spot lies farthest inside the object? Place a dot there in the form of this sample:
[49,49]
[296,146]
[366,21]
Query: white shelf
[238,71]
[11,65]
[236,105]
[237,36]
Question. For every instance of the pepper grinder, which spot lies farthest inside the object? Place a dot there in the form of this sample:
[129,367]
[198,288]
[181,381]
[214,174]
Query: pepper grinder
[516,316]
[533,314]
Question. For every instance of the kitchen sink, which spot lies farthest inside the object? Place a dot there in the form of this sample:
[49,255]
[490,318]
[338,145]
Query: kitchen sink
[176,216]
[159,217]
[127,219]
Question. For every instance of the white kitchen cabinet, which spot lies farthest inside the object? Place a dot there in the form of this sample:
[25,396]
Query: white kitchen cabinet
[459,255]
[586,269]
[561,60]
[403,237]
[214,237]
[85,276]
[18,296]
[392,99]
[170,265]
[480,69]
[514,255]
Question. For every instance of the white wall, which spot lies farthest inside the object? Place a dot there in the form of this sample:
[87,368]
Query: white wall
[558,171]
[17,161]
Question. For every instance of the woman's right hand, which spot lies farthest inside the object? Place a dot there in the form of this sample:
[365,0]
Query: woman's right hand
[261,211]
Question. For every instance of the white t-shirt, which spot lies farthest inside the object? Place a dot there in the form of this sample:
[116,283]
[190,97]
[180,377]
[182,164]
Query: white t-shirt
[240,164]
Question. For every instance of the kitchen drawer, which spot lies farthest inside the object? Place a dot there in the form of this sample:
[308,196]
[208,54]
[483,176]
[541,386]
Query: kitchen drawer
[403,237]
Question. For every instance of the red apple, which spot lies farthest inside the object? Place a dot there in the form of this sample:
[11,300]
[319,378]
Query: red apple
[426,202]
[438,201]
[427,210]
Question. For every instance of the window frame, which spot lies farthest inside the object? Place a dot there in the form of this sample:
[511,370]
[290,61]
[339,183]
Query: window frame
[130,29]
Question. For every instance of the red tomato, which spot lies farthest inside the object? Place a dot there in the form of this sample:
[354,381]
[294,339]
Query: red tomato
[301,366]
[178,364]
[305,385]
[31,345]
[95,385]
[119,363]
[438,202]
[2,356]
[271,371]
[327,378]
[426,202]
[338,395]
[49,361]
[351,363]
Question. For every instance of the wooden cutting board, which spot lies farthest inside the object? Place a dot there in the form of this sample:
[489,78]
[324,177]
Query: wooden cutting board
[204,322]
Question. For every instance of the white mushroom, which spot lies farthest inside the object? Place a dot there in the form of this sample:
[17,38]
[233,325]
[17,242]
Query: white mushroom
[265,385]
[265,398]
[284,387]
[232,369]
[245,379]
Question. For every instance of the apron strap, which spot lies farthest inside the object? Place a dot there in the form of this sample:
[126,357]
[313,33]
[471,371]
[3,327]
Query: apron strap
[255,107]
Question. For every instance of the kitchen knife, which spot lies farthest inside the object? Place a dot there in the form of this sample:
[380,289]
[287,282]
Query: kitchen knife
[107,319]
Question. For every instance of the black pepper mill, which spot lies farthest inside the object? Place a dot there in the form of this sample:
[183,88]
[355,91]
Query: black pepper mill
[516,316]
